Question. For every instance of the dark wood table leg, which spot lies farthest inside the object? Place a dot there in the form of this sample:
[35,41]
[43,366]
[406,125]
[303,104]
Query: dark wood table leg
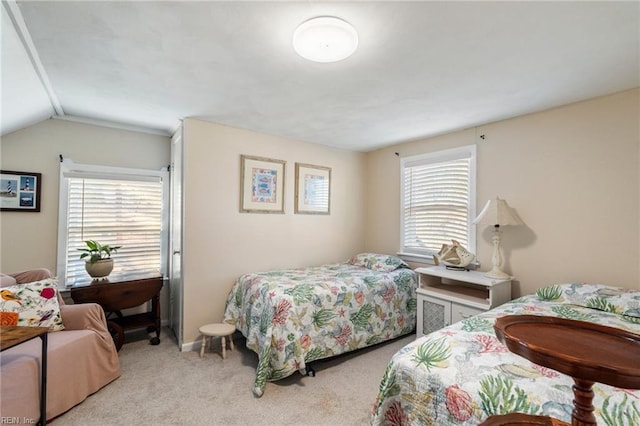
[43,381]
[155,309]
[582,414]
[117,333]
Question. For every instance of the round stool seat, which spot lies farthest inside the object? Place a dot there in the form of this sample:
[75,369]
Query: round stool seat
[217,330]
[224,331]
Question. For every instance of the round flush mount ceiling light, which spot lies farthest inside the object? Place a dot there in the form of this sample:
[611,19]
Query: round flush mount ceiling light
[325,39]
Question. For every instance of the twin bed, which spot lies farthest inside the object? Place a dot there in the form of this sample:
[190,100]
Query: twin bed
[458,375]
[293,317]
[462,374]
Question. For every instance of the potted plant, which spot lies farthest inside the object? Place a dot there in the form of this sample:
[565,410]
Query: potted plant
[99,263]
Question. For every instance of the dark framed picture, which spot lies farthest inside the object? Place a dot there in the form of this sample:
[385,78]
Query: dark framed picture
[20,191]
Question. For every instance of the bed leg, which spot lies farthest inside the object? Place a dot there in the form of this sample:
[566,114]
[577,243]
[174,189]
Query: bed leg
[307,371]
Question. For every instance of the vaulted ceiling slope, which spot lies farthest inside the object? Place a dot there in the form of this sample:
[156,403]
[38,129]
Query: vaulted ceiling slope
[421,69]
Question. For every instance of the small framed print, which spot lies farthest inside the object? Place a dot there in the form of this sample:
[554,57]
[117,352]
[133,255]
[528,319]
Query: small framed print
[20,191]
[261,185]
[313,189]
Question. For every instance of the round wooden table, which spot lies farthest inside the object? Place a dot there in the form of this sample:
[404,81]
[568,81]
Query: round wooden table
[585,351]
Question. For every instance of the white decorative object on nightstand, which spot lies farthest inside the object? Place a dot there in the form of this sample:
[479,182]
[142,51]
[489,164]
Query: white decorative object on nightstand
[446,296]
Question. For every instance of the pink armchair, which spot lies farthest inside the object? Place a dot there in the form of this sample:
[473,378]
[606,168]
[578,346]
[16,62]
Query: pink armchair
[81,359]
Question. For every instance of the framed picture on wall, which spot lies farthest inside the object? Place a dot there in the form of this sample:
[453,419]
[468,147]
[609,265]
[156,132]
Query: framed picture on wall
[20,191]
[313,189]
[261,185]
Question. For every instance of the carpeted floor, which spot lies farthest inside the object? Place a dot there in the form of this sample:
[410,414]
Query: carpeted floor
[162,386]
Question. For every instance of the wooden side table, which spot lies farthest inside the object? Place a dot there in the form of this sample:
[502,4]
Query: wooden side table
[11,336]
[519,419]
[119,292]
[585,351]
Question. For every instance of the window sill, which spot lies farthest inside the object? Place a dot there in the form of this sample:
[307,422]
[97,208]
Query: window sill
[424,259]
[417,258]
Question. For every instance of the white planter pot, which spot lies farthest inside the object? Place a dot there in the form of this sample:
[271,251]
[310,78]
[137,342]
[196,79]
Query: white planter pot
[99,269]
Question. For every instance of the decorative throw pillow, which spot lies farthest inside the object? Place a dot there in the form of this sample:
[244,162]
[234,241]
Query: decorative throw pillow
[378,262]
[35,303]
[621,301]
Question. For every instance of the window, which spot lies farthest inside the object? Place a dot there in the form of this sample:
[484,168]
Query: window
[115,206]
[438,201]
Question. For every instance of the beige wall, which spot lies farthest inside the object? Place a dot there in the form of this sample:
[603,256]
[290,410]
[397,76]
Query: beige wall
[221,243]
[30,239]
[572,174]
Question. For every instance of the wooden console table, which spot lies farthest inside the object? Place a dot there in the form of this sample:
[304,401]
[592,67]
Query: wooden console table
[585,351]
[118,292]
[11,336]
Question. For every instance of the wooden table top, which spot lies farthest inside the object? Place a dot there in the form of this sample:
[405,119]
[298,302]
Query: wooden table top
[519,419]
[578,349]
[116,278]
[11,335]
[115,295]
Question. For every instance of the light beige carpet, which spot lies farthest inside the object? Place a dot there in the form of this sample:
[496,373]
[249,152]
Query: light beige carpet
[162,386]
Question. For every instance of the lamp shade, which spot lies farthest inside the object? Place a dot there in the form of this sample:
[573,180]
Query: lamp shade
[325,39]
[498,213]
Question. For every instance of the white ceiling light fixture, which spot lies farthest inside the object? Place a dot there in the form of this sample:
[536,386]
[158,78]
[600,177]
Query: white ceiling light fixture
[325,39]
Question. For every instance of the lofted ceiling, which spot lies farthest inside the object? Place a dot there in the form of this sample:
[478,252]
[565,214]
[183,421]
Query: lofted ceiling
[421,68]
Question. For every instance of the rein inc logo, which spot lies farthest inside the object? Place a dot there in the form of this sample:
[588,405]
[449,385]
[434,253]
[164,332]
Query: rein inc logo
[17,421]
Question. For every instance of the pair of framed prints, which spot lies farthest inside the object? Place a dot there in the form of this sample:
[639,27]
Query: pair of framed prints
[262,184]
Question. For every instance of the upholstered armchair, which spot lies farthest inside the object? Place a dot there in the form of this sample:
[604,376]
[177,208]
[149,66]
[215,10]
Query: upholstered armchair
[81,355]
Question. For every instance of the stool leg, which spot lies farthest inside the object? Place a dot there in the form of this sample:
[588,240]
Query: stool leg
[224,353]
[231,342]
[204,343]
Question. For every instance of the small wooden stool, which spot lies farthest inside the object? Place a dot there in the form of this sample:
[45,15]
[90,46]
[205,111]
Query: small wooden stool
[217,330]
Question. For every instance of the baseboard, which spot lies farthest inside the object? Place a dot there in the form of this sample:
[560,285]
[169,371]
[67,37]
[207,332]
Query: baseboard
[187,347]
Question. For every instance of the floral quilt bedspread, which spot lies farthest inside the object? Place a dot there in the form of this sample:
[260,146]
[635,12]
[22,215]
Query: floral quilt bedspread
[462,374]
[292,317]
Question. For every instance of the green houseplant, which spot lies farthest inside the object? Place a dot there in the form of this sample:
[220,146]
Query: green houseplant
[99,263]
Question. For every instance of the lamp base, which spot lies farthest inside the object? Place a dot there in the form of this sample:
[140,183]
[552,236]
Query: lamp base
[497,274]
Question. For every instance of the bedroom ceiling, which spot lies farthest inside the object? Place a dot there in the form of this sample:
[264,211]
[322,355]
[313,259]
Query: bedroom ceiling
[421,68]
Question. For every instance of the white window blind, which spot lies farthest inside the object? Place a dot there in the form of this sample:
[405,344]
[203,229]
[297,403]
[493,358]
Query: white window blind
[114,208]
[438,199]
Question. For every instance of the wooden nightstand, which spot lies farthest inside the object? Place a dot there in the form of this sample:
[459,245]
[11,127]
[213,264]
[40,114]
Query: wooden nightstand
[447,296]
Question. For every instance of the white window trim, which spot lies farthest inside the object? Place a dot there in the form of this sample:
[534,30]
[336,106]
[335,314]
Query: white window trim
[70,169]
[467,151]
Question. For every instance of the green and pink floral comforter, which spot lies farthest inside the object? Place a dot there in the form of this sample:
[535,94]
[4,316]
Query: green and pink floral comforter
[462,374]
[292,317]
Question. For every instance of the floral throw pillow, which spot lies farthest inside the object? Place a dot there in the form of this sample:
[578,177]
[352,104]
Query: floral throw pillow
[621,301]
[35,303]
[378,262]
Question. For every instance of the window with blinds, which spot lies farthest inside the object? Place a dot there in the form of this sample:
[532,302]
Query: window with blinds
[438,199]
[115,207]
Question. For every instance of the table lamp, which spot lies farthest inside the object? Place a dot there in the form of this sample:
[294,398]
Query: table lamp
[497,213]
